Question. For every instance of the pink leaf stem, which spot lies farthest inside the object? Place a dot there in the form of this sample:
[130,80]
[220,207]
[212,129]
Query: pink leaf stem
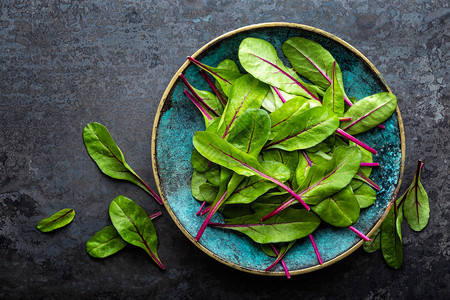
[209,216]
[282,262]
[279,94]
[359,233]
[213,87]
[363,164]
[370,182]
[204,112]
[189,86]
[381,126]
[205,211]
[356,141]
[200,209]
[205,67]
[315,249]
[345,119]
[155,215]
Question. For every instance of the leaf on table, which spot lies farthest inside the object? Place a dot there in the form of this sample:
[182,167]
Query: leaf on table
[391,238]
[105,243]
[375,243]
[57,220]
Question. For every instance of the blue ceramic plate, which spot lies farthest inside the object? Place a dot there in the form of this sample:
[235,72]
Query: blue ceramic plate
[177,120]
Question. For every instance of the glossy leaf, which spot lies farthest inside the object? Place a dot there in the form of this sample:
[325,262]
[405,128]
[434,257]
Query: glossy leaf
[105,243]
[365,195]
[109,158]
[416,207]
[375,243]
[57,220]
[259,58]
[340,209]
[334,96]
[305,130]
[251,131]
[369,112]
[281,116]
[290,225]
[290,159]
[391,238]
[246,92]
[135,226]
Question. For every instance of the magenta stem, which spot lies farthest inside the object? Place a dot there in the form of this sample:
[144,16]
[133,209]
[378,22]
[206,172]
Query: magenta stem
[201,207]
[205,67]
[345,119]
[315,249]
[209,216]
[204,112]
[189,86]
[279,94]
[359,233]
[373,184]
[356,141]
[349,103]
[282,261]
[307,158]
[205,211]
[152,192]
[278,209]
[363,164]
[381,126]
[213,87]
[155,215]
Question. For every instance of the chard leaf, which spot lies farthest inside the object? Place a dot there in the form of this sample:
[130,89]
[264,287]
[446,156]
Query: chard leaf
[211,100]
[305,130]
[271,102]
[109,158]
[334,96]
[57,220]
[199,163]
[285,247]
[375,243]
[340,209]
[247,92]
[311,60]
[251,131]
[289,159]
[281,116]
[213,175]
[208,192]
[416,207]
[365,195]
[291,224]
[197,180]
[259,58]
[391,238]
[369,112]
[253,187]
[225,74]
[134,226]
[105,243]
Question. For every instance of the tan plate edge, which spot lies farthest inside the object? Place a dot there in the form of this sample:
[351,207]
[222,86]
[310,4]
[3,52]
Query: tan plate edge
[158,116]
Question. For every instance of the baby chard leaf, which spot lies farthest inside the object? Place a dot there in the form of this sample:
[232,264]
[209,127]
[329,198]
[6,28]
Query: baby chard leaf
[259,58]
[391,238]
[369,112]
[109,158]
[105,243]
[374,244]
[305,130]
[340,209]
[280,116]
[290,225]
[365,195]
[57,220]
[134,226]
[416,207]
[334,96]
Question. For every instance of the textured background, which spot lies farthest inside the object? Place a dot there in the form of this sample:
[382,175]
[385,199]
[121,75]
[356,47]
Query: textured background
[66,63]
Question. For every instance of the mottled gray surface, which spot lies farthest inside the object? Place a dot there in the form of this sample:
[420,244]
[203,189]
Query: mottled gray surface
[66,63]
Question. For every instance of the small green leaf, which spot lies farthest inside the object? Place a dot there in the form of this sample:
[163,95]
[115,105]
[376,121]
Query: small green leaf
[109,158]
[289,109]
[105,243]
[375,243]
[57,220]
[135,226]
[365,195]
[334,97]
[391,238]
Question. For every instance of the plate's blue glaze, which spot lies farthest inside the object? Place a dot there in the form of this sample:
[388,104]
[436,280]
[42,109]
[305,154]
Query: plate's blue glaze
[180,119]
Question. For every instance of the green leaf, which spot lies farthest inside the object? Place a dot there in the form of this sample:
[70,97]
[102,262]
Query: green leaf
[109,158]
[311,60]
[290,159]
[369,112]
[246,92]
[135,226]
[340,209]
[213,175]
[375,243]
[197,180]
[365,195]
[251,131]
[259,58]
[281,116]
[391,238]
[105,243]
[199,163]
[325,180]
[213,102]
[305,130]
[271,102]
[334,97]
[289,225]
[57,220]
[208,192]
[416,207]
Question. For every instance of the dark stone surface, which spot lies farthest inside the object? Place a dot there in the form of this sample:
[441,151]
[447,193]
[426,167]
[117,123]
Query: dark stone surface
[66,63]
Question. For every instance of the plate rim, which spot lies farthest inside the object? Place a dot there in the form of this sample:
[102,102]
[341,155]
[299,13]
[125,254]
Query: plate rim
[158,118]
